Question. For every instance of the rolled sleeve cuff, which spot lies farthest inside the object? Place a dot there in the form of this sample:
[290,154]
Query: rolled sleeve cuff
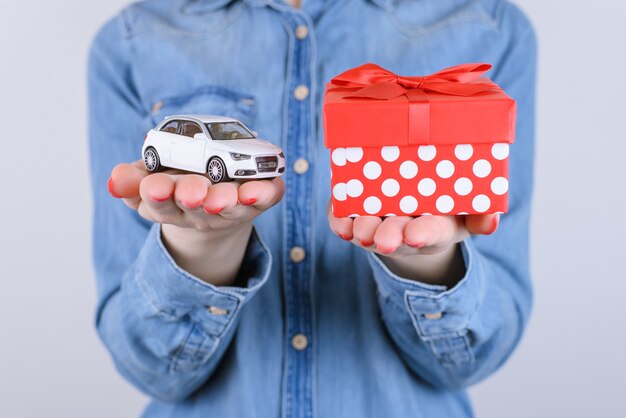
[439,315]
[173,291]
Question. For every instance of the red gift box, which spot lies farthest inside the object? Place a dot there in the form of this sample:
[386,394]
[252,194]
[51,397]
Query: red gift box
[436,144]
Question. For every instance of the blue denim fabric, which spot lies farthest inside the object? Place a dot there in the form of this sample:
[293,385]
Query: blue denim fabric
[200,350]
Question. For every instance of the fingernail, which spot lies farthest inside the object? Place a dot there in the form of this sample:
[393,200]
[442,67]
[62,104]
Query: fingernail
[248,202]
[191,205]
[366,243]
[213,211]
[494,224]
[110,188]
[418,244]
[160,199]
[345,237]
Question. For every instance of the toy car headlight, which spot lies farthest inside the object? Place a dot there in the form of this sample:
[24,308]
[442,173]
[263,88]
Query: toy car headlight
[281,155]
[238,157]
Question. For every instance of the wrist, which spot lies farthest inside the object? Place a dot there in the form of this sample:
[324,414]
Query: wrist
[196,239]
[444,268]
[214,256]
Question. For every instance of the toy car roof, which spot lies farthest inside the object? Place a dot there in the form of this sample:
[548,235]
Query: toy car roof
[203,118]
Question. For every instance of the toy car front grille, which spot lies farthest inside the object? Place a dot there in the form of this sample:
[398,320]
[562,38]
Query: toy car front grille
[266,164]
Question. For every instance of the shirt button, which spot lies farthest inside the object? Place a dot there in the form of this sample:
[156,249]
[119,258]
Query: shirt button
[217,311]
[433,316]
[299,342]
[301,92]
[297,254]
[302,32]
[157,106]
[301,166]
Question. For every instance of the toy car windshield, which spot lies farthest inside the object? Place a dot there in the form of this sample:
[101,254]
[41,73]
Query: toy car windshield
[228,130]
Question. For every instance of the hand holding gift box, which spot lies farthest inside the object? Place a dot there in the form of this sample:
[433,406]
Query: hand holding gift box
[436,144]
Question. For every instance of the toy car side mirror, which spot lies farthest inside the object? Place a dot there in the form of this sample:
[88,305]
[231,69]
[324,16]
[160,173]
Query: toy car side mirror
[255,133]
[199,135]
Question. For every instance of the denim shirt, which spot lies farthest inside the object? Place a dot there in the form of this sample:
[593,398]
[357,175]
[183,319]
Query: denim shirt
[336,334]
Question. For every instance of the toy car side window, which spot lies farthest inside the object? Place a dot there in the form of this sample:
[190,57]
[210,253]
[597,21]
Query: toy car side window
[190,129]
[170,127]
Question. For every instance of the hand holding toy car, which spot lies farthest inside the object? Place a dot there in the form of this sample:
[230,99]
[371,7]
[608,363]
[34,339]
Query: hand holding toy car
[195,214]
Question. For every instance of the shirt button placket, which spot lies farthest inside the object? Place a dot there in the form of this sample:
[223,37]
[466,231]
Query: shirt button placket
[298,309]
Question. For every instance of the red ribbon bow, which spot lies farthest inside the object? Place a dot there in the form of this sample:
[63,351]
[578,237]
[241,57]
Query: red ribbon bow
[375,82]
[370,81]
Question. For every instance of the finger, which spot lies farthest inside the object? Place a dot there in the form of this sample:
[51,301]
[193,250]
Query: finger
[221,198]
[262,194]
[124,182]
[144,212]
[389,235]
[340,226]
[190,191]
[156,191]
[482,224]
[364,229]
[434,231]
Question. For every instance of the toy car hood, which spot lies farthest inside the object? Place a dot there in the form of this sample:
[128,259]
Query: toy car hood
[248,146]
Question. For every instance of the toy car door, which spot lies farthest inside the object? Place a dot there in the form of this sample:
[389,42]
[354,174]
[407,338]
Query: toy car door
[187,151]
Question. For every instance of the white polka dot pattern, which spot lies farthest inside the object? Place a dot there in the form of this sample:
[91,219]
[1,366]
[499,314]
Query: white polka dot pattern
[372,170]
[339,156]
[500,151]
[354,154]
[445,204]
[463,152]
[427,152]
[416,180]
[463,186]
[445,169]
[408,204]
[500,185]
[408,169]
[481,168]
[339,192]
[390,187]
[426,187]
[354,188]
[372,205]
[390,153]
[481,203]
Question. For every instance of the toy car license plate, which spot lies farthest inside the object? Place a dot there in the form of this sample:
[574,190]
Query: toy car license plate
[267,164]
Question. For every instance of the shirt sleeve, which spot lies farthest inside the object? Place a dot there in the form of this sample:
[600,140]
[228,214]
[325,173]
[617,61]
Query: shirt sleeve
[456,337]
[165,329]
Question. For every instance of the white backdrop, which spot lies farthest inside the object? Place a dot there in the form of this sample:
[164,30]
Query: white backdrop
[571,362]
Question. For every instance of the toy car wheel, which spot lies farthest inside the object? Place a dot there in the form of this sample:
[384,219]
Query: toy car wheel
[151,160]
[216,171]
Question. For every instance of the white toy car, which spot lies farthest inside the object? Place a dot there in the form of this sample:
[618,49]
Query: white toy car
[219,146]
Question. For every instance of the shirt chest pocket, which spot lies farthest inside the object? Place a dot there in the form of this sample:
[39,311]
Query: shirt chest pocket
[206,100]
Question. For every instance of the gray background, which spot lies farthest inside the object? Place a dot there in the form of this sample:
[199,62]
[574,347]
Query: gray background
[571,362]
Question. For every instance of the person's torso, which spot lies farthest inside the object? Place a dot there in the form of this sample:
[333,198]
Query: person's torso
[266,64]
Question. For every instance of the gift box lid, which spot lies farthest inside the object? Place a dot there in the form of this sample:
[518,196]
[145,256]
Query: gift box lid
[387,109]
